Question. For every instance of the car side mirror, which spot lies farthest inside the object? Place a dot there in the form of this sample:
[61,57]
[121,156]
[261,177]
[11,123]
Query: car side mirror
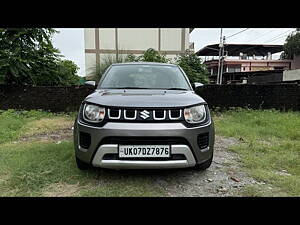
[197,84]
[91,83]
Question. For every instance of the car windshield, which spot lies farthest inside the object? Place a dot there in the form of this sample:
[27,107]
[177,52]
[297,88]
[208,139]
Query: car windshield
[145,77]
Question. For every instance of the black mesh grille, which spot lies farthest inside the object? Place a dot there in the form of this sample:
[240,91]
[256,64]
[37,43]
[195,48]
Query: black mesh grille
[114,113]
[175,113]
[159,114]
[203,140]
[130,113]
[84,140]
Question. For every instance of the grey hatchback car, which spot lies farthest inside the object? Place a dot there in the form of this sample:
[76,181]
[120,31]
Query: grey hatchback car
[144,116]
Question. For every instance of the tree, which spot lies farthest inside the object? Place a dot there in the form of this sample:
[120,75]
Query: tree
[27,56]
[291,46]
[193,67]
[189,62]
[65,73]
[149,55]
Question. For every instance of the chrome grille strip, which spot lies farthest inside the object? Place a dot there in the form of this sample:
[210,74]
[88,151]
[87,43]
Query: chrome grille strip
[157,118]
[130,118]
[122,114]
[112,117]
[174,118]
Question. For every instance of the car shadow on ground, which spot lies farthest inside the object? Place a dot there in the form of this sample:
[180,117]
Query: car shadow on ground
[146,172]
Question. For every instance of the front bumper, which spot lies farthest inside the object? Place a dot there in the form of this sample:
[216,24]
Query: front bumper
[99,161]
[96,151]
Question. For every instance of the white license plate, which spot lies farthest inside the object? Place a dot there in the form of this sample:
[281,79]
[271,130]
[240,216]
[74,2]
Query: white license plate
[144,151]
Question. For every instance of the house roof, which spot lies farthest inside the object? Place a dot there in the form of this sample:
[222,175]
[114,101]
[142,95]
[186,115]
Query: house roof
[235,49]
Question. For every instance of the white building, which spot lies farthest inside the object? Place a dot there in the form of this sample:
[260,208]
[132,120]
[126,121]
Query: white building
[103,42]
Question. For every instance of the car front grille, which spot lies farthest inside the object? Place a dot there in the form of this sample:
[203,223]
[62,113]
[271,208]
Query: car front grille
[145,115]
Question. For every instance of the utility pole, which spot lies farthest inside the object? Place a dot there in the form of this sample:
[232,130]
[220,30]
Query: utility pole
[222,61]
[220,53]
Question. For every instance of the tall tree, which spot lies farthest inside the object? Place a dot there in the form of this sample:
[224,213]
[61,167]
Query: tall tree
[291,46]
[27,56]
[24,52]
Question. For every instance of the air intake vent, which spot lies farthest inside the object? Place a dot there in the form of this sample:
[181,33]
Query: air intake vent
[203,140]
[84,140]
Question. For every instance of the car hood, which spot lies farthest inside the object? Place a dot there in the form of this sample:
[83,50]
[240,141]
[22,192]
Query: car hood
[144,98]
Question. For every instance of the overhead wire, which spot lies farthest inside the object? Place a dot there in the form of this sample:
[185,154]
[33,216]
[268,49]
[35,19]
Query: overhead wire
[262,35]
[237,33]
[278,36]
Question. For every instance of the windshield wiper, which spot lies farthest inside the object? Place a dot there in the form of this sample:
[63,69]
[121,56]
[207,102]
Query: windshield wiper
[180,89]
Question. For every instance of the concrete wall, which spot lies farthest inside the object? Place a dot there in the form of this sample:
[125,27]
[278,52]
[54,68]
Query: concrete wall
[102,42]
[290,75]
[261,96]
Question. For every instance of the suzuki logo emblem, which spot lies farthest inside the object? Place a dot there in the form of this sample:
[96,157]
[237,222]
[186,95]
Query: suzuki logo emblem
[145,114]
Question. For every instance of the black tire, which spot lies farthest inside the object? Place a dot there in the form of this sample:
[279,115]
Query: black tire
[82,165]
[205,165]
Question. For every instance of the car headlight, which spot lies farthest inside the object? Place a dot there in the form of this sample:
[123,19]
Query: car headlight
[93,113]
[195,114]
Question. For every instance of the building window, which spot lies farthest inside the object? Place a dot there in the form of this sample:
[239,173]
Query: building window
[234,69]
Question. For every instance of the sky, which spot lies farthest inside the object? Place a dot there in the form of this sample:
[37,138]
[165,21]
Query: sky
[70,41]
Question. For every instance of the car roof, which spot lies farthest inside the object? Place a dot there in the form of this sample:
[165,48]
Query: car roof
[143,63]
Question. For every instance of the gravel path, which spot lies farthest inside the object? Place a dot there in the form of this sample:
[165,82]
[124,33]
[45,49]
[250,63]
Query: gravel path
[223,178]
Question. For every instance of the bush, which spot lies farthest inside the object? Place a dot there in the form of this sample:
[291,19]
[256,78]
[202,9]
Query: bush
[150,55]
[193,67]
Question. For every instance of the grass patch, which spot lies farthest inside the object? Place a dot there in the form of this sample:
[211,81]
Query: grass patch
[270,144]
[46,168]
[46,125]
[269,151]
[49,169]
[15,124]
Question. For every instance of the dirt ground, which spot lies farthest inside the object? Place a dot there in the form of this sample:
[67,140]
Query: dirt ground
[223,178]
